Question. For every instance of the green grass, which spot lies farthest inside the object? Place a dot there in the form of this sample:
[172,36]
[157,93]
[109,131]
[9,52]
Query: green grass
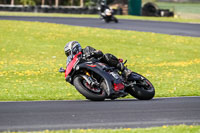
[32,53]
[169,19]
[163,129]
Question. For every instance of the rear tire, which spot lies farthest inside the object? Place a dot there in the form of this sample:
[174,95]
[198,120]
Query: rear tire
[142,92]
[87,93]
[107,20]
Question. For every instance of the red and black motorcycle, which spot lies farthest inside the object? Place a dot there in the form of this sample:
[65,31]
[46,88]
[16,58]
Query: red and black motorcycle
[97,81]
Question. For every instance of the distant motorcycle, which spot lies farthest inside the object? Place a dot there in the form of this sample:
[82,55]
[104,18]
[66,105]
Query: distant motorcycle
[97,81]
[108,16]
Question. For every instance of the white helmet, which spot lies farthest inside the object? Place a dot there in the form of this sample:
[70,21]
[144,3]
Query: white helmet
[72,48]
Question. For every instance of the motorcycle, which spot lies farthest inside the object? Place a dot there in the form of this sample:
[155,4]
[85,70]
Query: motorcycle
[97,81]
[108,16]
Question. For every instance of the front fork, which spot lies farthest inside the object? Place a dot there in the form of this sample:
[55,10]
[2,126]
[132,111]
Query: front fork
[91,81]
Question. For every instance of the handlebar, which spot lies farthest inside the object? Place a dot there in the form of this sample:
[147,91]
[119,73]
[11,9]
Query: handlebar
[61,70]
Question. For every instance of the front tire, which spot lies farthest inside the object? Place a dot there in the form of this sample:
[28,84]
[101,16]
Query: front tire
[87,92]
[142,90]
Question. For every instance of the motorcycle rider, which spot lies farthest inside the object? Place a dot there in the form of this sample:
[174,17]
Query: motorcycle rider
[73,47]
[103,7]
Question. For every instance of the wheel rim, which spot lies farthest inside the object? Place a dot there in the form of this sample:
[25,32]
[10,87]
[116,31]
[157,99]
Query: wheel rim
[146,86]
[96,90]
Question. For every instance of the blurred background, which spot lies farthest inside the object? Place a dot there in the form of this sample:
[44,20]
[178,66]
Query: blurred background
[169,8]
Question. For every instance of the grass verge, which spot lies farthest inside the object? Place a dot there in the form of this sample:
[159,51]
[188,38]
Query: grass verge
[32,53]
[163,129]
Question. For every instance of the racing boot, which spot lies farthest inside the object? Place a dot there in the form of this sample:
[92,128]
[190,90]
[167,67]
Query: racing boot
[128,74]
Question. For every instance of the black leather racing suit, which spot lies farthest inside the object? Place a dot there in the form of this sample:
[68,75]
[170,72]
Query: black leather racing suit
[111,60]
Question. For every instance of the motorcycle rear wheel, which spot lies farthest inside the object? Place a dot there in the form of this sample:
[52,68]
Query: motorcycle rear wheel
[87,92]
[142,92]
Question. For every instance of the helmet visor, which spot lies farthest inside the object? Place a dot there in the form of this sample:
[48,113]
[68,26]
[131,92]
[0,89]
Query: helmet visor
[68,53]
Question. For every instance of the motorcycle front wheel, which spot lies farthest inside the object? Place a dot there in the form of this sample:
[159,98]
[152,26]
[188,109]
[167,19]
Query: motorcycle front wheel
[142,90]
[90,93]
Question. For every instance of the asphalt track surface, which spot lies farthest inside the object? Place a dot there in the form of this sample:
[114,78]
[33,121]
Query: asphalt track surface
[172,28]
[128,113]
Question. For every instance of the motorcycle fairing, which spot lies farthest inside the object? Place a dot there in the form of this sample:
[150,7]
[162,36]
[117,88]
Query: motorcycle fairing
[97,69]
[92,65]
[71,64]
[118,86]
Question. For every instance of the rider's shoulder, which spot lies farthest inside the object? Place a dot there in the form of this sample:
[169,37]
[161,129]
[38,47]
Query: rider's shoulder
[88,48]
